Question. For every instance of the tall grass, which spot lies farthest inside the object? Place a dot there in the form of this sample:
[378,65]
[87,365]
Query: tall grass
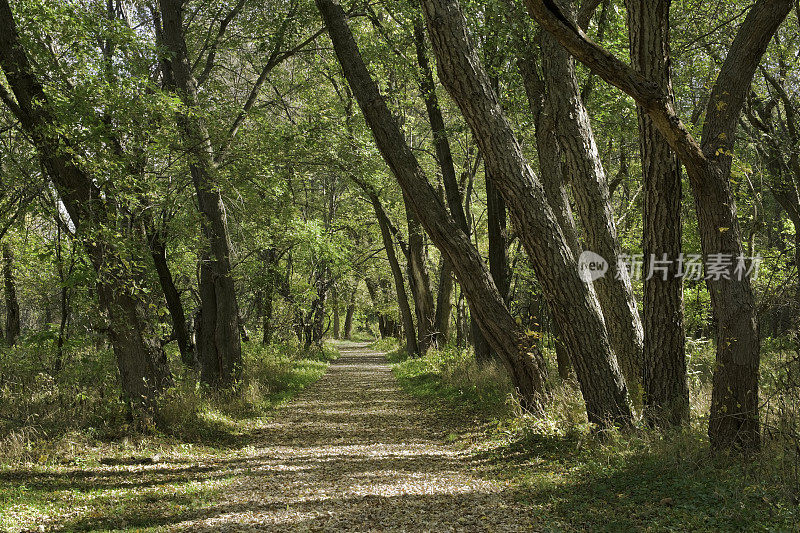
[455,377]
[42,411]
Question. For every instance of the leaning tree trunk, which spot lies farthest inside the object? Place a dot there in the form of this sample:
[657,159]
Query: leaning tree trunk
[666,391]
[551,172]
[142,363]
[12,304]
[572,302]
[734,420]
[158,251]
[518,352]
[412,348]
[592,200]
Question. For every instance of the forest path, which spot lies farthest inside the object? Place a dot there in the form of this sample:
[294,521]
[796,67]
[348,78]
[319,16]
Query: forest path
[355,453]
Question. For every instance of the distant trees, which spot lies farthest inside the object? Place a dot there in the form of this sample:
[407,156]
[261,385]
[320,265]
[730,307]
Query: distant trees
[521,357]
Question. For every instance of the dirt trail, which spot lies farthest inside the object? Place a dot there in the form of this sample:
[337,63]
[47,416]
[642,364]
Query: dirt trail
[356,453]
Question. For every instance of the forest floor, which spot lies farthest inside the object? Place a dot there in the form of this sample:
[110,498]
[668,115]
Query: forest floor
[351,452]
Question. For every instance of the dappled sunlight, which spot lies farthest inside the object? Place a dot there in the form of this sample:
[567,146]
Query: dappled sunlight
[354,452]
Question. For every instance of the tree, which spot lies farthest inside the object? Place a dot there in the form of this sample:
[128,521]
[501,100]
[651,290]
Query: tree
[666,391]
[572,301]
[219,349]
[522,359]
[141,360]
[734,421]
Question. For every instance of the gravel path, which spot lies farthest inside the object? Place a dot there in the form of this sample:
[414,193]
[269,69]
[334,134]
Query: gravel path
[356,453]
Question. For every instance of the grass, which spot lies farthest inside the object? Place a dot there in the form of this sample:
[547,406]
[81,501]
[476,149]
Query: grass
[116,478]
[577,480]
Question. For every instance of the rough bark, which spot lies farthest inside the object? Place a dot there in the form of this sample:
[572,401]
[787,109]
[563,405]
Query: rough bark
[12,304]
[734,420]
[523,360]
[666,391]
[142,363]
[572,301]
[550,171]
[592,201]
[219,349]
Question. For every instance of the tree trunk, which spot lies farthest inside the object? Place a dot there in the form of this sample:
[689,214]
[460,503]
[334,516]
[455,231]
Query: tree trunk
[142,363]
[64,309]
[444,304]
[461,323]
[572,301]
[420,282]
[335,312]
[666,391]
[348,316]
[12,304]
[269,259]
[498,239]
[551,172]
[219,351]
[412,348]
[318,307]
[523,360]
[592,200]
[158,250]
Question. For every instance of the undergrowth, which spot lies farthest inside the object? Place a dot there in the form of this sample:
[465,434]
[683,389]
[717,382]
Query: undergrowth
[580,479]
[72,462]
[47,416]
